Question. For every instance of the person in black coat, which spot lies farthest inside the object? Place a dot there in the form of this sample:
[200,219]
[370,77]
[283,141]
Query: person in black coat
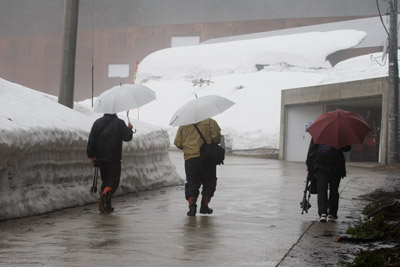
[104,149]
[329,166]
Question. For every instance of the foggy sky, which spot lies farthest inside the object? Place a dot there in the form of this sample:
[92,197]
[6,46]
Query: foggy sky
[36,16]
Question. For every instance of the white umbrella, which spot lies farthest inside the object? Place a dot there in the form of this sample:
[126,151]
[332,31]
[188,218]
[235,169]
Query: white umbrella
[200,109]
[123,97]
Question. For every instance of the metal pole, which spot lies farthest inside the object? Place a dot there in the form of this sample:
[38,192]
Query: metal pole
[393,89]
[66,93]
[92,52]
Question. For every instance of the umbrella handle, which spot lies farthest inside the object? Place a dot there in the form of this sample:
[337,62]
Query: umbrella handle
[127,115]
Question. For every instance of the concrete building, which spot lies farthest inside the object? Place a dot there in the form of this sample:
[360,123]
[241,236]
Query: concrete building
[114,35]
[300,107]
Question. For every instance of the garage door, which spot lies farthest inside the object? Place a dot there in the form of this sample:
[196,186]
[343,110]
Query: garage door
[297,139]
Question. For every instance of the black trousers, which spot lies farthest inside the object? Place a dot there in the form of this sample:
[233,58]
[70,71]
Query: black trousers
[110,174]
[326,180]
[197,174]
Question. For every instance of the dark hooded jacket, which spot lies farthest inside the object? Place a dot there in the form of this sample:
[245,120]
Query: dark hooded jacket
[338,167]
[106,137]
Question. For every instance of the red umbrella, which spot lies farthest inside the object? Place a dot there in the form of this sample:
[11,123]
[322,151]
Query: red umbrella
[339,128]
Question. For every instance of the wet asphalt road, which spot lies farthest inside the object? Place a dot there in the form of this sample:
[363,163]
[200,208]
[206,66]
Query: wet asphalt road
[256,222]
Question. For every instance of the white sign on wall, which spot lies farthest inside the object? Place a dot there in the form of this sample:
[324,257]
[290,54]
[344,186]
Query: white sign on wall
[118,70]
[184,40]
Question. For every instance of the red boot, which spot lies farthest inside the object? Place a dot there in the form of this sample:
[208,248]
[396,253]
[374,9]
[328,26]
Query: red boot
[107,199]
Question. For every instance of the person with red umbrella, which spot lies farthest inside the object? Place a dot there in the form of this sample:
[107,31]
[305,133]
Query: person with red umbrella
[332,134]
[329,166]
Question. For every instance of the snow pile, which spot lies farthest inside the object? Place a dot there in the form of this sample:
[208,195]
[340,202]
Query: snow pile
[229,70]
[306,51]
[358,68]
[43,163]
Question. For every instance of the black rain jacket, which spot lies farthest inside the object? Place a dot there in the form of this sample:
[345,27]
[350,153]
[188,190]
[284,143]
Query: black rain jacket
[338,167]
[106,137]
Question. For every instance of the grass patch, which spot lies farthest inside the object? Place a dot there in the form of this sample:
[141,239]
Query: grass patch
[377,258]
[383,225]
[370,230]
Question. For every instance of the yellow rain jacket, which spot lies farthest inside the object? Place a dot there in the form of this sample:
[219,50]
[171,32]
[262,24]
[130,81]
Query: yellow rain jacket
[188,139]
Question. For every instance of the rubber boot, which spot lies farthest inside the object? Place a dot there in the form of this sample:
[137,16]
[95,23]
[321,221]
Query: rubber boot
[107,193]
[100,201]
[192,206]
[204,209]
[107,206]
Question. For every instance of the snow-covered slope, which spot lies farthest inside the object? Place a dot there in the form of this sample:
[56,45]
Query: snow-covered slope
[229,69]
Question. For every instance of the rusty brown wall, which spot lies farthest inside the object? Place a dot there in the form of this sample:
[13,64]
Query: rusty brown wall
[35,60]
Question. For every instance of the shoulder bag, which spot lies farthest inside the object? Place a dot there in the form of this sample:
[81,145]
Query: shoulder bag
[211,153]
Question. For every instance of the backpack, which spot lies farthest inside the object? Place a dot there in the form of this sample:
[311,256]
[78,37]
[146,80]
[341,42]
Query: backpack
[326,154]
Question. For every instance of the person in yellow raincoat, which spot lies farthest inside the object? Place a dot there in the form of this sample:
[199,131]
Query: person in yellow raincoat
[198,172]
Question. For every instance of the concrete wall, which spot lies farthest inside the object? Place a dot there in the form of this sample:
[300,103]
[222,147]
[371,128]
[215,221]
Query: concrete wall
[34,60]
[39,16]
[126,31]
[330,93]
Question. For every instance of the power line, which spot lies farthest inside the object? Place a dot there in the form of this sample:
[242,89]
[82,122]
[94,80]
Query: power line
[380,16]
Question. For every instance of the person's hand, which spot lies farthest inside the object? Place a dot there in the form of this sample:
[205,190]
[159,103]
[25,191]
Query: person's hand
[130,125]
[92,160]
[308,169]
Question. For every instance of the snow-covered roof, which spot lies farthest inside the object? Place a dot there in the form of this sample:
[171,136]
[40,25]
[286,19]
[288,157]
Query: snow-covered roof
[373,27]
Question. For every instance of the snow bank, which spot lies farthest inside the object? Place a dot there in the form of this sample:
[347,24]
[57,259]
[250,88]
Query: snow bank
[43,163]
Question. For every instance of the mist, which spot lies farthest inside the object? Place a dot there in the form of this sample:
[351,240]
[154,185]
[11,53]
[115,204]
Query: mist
[38,16]
[124,32]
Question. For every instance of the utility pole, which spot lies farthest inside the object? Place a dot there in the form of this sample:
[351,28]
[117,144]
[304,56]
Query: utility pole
[393,89]
[66,93]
